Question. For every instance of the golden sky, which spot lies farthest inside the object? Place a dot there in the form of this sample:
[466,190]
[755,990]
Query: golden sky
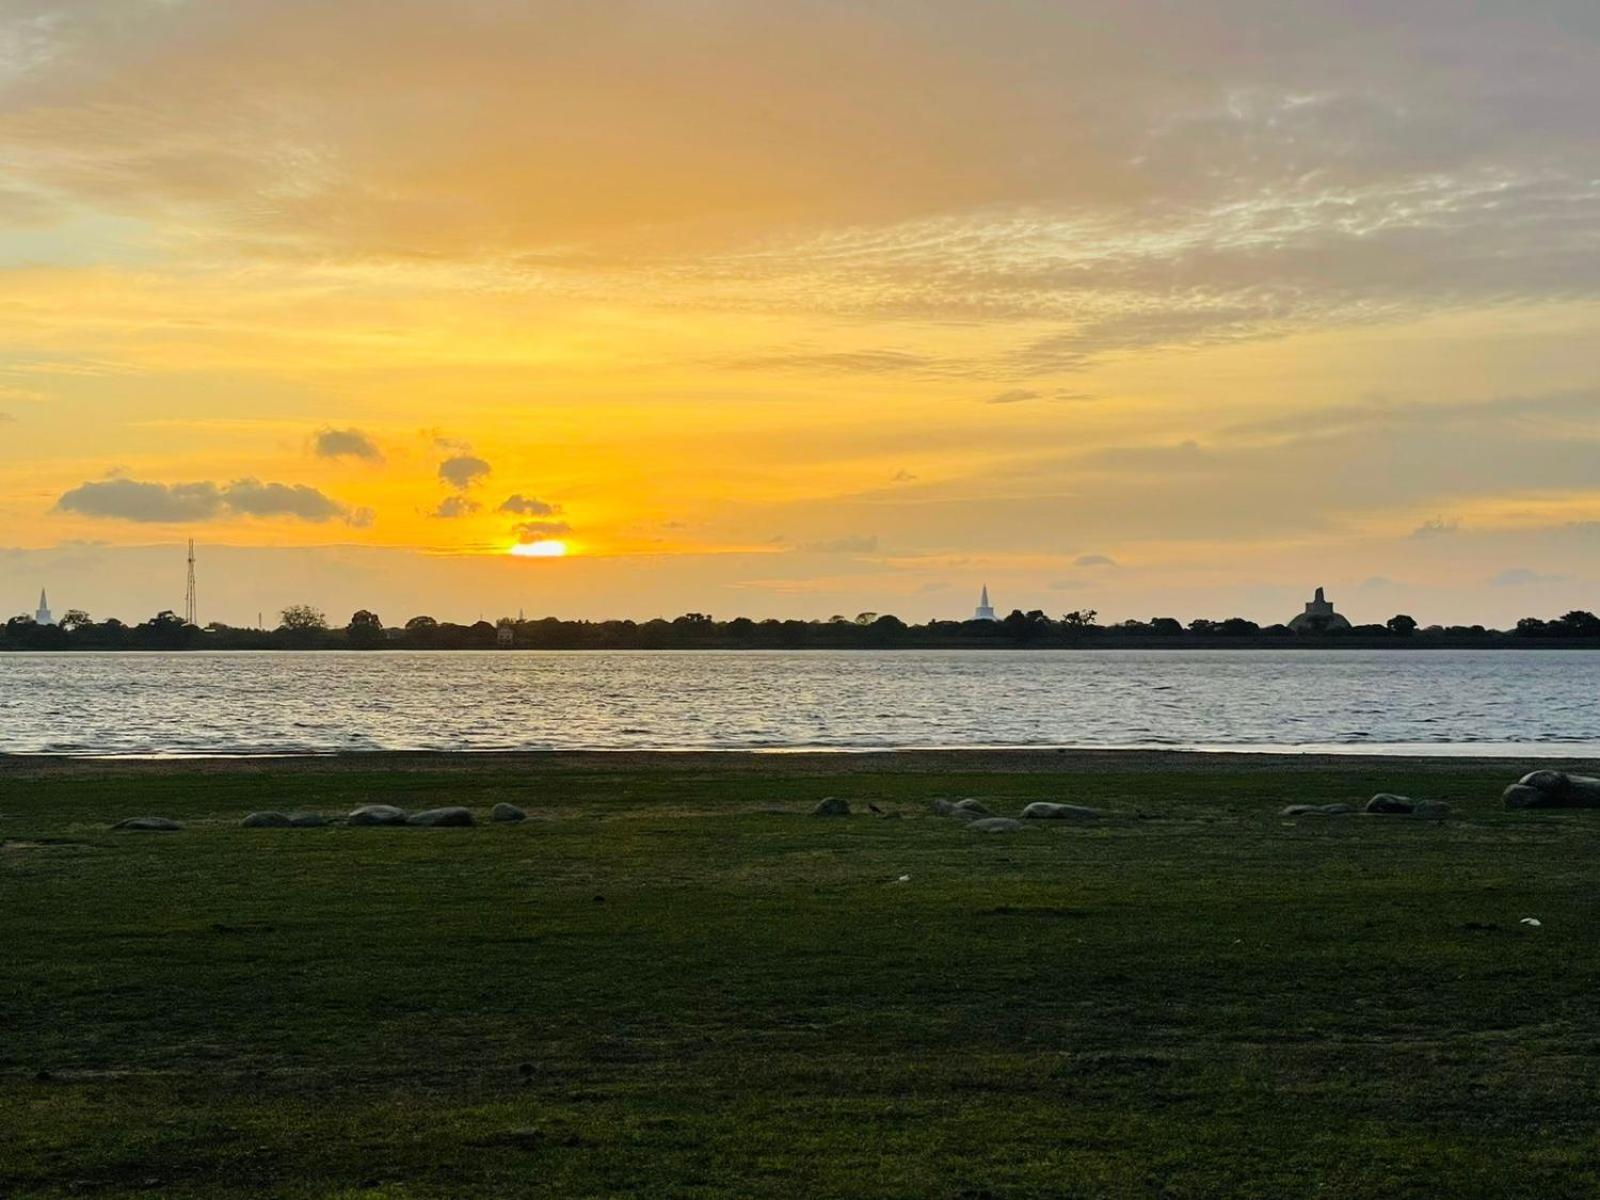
[800,308]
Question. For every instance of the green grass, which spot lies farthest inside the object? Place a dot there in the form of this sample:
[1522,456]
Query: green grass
[679,985]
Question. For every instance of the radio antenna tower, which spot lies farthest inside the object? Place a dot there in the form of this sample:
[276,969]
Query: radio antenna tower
[190,615]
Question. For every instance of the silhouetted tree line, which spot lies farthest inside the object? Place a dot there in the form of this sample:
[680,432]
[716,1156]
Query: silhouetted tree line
[302,627]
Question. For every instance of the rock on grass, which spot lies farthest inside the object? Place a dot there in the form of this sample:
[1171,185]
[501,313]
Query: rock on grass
[507,812]
[831,806]
[1553,789]
[278,820]
[267,820]
[377,814]
[147,825]
[1389,804]
[442,818]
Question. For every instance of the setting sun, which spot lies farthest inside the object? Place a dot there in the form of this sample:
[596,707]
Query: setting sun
[545,549]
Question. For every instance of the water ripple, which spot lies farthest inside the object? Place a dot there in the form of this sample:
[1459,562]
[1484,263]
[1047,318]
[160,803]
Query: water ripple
[155,705]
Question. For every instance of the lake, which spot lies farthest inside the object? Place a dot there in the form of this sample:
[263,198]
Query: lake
[1461,702]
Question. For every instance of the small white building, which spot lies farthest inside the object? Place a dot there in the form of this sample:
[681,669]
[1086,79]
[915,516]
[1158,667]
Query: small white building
[43,617]
[985,610]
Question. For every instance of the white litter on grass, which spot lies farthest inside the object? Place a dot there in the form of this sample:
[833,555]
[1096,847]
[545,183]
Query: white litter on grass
[904,879]
[1534,921]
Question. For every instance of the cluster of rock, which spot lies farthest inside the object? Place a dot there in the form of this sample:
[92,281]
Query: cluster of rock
[278,820]
[1539,789]
[1553,789]
[975,813]
[1384,804]
[431,818]
[367,814]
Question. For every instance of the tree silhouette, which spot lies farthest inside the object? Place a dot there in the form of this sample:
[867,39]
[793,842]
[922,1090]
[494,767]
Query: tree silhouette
[365,629]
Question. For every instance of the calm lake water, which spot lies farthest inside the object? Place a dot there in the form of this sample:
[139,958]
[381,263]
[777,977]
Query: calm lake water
[187,704]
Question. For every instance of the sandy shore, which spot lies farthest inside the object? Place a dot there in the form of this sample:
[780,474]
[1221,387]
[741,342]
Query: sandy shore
[1020,762]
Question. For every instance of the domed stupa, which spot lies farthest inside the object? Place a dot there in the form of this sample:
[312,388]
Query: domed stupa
[1318,617]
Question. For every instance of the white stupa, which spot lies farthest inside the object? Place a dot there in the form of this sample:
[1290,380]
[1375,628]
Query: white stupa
[985,611]
[1318,617]
[43,617]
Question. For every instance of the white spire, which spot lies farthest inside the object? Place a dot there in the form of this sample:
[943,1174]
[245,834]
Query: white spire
[985,611]
[43,617]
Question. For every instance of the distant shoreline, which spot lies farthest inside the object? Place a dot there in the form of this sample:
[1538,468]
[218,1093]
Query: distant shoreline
[1299,642]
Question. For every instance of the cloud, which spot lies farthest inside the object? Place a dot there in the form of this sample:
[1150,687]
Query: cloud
[6,418]
[134,500]
[346,443]
[1093,560]
[902,476]
[1059,395]
[1436,527]
[1524,577]
[538,531]
[452,507]
[1145,177]
[251,497]
[131,500]
[462,471]
[527,506]
[859,544]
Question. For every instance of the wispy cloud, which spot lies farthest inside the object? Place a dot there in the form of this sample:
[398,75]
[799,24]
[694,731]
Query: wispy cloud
[1525,577]
[1436,527]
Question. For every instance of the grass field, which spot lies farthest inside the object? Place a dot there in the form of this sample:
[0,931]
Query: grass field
[678,984]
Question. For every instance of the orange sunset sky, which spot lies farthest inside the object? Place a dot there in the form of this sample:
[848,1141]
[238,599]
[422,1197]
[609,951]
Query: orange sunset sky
[628,308]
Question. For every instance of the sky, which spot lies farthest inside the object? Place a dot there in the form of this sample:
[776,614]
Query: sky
[625,308]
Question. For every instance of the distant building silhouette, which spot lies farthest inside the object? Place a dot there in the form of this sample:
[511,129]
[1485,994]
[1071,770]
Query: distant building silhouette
[985,611]
[43,617]
[1318,617]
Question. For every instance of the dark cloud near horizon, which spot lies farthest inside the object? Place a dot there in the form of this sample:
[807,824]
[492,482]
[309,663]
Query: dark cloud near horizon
[452,507]
[463,471]
[136,500]
[1094,560]
[346,443]
[528,506]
